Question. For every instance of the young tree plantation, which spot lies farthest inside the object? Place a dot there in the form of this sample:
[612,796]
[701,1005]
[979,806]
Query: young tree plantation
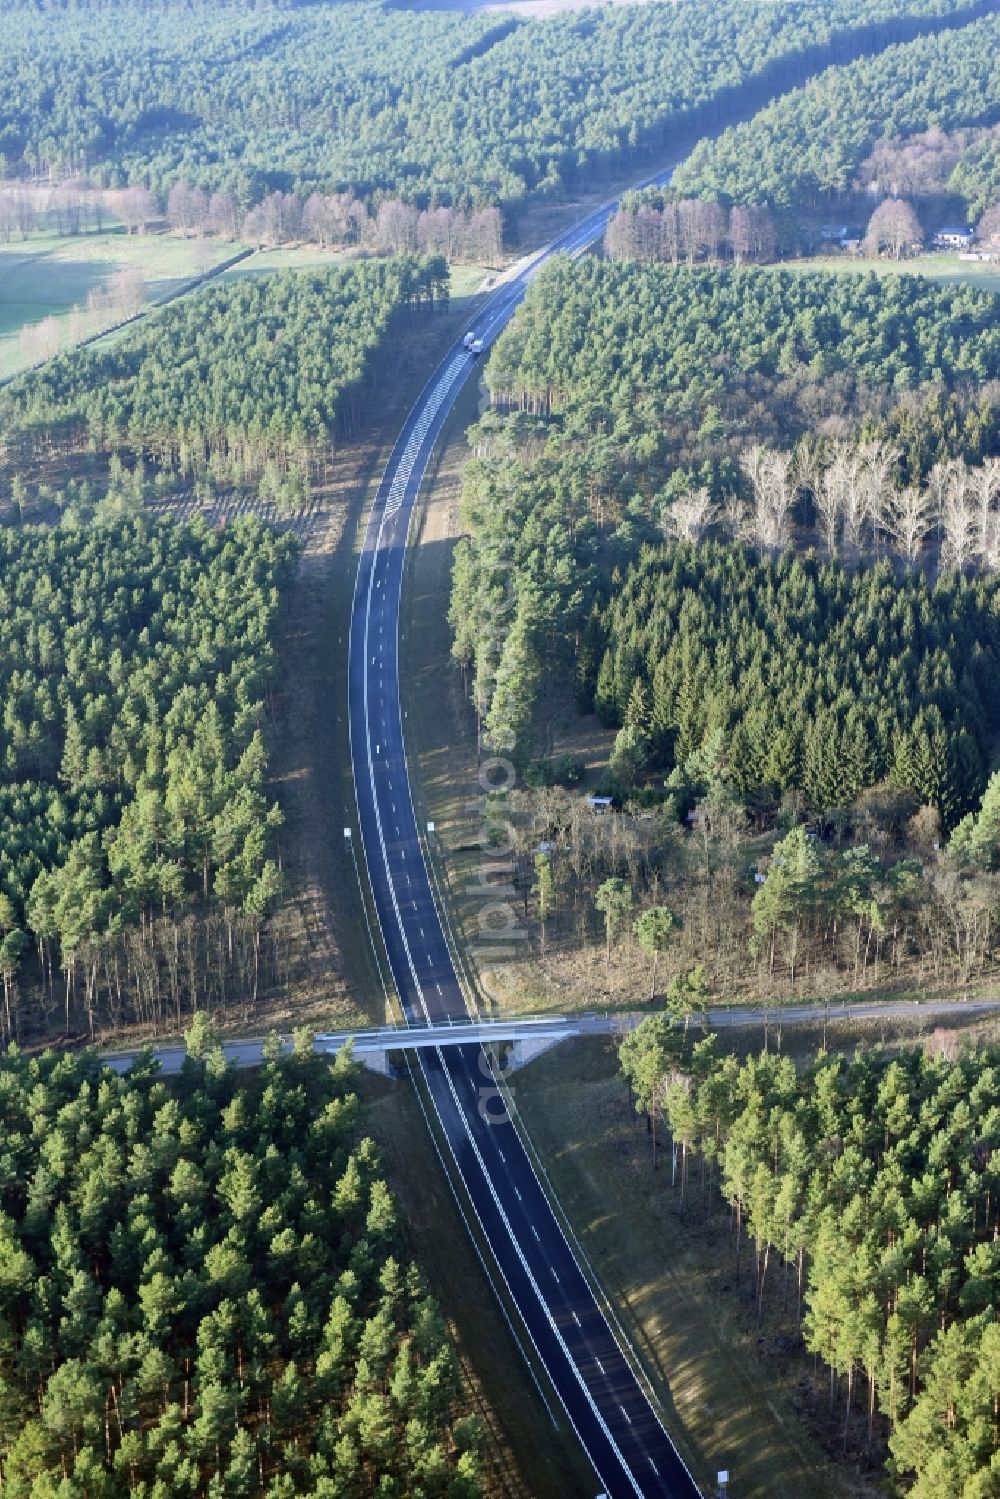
[813,678]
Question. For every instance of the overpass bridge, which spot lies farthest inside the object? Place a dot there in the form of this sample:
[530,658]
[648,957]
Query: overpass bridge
[528,1037]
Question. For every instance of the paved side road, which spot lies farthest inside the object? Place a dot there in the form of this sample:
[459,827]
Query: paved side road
[250,1053]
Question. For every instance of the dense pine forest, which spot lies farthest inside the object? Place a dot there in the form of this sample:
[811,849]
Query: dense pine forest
[757,514]
[137,842]
[250,378]
[801,676]
[809,145]
[436,108]
[727,593]
[869,1192]
[665,339]
[204,1290]
[637,402]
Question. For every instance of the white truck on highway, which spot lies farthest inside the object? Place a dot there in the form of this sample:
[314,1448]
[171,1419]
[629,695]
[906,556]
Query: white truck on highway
[472,343]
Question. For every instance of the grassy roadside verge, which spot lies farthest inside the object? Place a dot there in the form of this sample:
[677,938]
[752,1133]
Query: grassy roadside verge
[525,1456]
[343,983]
[669,1281]
[746,1395]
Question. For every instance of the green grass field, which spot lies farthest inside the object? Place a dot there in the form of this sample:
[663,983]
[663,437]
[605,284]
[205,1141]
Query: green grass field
[294,258]
[466,280]
[982,274]
[46,276]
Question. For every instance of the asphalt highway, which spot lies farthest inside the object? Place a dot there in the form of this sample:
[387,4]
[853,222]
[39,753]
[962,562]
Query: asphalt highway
[617,1425]
[612,1415]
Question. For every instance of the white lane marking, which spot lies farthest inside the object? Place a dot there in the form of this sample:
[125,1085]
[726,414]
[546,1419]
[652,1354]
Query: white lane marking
[501,1155]
[653,1466]
[577,1320]
[534,1230]
[625,1414]
[598,1363]
[596,1412]
[411,452]
[554,1276]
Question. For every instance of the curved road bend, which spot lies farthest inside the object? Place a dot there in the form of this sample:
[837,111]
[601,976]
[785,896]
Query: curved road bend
[612,1416]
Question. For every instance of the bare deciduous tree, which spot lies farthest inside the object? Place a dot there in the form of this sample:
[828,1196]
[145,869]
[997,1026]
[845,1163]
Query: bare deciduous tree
[690,515]
[187,209]
[988,228]
[224,215]
[985,485]
[127,290]
[41,340]
[66,203]
[907,516]
[772,480]
[894,227]
[879,467]
[843,498]
[688,213]
[958,519]
[917,164]
[741,236]
[396,226]
[136,208]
